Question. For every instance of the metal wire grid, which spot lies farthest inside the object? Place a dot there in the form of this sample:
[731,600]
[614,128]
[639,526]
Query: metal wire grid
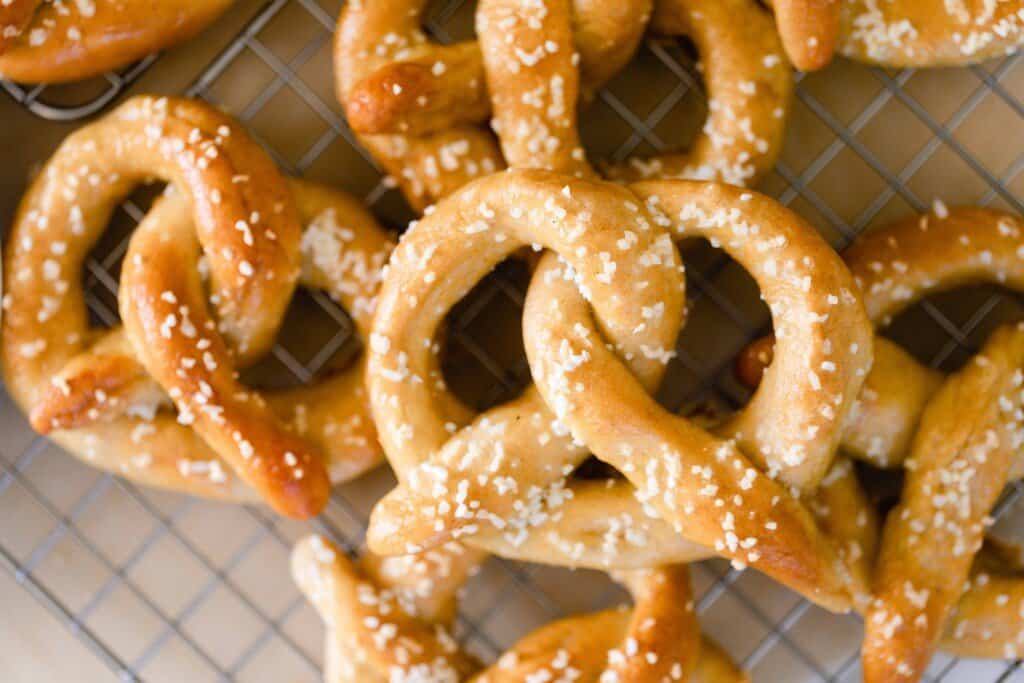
[782,624]
[78,101]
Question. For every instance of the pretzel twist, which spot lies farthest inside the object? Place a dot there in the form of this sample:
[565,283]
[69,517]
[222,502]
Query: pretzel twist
[505,473]
[376,631]
[91,387]
[54,42]
[530,66]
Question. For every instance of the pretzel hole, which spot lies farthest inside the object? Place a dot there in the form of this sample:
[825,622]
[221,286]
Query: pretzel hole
[483,359]
[671,104]
[102,272]
[946,329]
[317,338]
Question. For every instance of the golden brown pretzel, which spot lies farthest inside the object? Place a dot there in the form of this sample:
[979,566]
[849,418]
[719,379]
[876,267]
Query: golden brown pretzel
[377,630]
[68,376]
[899,33]
[924,33]
[531,73]
[962,454]
[505,473]
[895,266]
[67,41]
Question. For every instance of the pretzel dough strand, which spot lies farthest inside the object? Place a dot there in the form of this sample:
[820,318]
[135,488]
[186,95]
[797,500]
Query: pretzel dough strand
[749,88]
[55,42]
[372,34]
[14,17]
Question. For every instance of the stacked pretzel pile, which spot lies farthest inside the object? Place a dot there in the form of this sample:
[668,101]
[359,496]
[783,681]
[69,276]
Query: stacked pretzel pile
[210,271]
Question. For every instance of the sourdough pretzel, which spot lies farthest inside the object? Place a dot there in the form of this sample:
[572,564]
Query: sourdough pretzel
[504,473]
[50,42]
[375,631]
[528,48]
[895,266]
[90,386]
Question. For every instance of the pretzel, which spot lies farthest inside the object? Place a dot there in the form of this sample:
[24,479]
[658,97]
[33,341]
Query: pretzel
[899,33]
[52,42]
[929,33]
[528,48]
[504,474]
[895,266]
[376,633]
[89,386]
[429,88]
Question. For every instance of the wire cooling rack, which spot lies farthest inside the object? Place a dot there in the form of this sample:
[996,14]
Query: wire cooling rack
[136,584]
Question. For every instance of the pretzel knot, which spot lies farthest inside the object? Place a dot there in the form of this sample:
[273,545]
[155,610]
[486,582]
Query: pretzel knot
[378,629]
[506,472]
[51,42]
[104,391]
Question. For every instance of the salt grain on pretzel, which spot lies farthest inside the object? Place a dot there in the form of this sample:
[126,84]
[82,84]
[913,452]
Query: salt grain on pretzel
[68,376]
[533,78]
[49,42]
[376,631]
